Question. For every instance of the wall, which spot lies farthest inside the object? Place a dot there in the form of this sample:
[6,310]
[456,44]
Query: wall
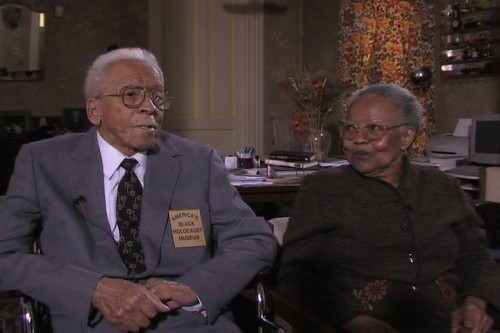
[457,99]
[307,34]
[282,50]
[72,42]
[321,26]
[304,34]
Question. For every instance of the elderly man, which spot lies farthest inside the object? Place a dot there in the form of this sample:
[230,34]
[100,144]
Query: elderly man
[139,228]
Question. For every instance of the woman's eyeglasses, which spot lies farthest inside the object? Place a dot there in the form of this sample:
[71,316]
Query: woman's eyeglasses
[133,97]
[371,132]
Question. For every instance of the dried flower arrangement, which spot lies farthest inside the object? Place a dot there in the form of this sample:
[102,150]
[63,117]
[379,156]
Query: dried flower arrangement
[315,93]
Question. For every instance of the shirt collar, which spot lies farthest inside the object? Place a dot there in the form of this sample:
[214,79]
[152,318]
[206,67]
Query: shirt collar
[112,157]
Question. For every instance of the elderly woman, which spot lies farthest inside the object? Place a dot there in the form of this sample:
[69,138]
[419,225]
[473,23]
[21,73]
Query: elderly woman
[382,245]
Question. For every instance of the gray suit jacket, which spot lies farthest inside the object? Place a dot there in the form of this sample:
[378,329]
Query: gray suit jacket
[56,195]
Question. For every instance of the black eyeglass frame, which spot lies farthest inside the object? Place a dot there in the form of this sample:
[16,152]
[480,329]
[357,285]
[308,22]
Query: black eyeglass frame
[149,92]
[385,129]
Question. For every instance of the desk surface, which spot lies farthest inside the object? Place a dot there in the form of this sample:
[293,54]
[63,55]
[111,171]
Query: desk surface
[268,193]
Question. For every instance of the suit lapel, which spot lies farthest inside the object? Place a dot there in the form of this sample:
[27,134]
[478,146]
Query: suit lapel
[162,172]
[86,181]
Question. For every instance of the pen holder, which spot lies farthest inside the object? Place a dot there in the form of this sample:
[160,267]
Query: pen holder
[245,163]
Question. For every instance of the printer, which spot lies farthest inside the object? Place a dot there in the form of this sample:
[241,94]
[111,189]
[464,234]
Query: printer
[444,150]
[446,146]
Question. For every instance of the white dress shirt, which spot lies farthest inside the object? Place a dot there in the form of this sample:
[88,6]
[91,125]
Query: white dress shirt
[113,173]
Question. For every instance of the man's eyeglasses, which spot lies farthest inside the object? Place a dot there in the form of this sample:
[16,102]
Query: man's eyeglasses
[132,97]
[371,132]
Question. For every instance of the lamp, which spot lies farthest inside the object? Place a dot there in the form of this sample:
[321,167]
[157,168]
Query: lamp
[422,76]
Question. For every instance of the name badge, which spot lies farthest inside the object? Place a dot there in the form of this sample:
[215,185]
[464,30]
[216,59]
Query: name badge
[187,228]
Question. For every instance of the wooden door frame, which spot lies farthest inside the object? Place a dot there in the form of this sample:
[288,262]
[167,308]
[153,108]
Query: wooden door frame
[253,95]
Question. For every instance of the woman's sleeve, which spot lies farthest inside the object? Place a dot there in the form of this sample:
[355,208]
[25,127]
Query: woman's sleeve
[301,274]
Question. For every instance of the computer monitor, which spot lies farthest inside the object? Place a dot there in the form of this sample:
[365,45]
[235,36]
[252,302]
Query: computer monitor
[484,139]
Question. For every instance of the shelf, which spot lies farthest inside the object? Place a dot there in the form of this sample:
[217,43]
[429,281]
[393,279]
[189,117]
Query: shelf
[472,53]
[450,78]
[479,69]
[469,184]
[479,10]
[470,43]
[484,28]
[461,176]
[469,61]
[469,187]
[458,40]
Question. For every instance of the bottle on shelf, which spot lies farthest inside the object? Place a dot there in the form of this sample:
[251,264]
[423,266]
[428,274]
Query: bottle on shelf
[486,51]
[468,6]
[446,18]
[467,53]
[456,22]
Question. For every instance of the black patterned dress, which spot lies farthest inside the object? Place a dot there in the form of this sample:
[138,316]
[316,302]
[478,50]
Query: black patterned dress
[408,256]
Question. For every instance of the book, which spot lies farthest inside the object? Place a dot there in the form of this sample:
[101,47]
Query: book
[250,172]
[279,171]
[334,162]
[290,155]
[296,164]
[287,180]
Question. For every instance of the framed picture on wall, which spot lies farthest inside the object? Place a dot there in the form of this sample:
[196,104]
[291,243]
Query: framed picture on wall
[75,119]
[15,122]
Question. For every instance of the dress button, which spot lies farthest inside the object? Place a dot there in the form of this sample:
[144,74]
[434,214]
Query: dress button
[412,258]
[404,226]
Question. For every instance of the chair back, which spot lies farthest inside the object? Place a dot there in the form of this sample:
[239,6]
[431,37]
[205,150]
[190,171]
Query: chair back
[489,212]
[278,225]
[489,182]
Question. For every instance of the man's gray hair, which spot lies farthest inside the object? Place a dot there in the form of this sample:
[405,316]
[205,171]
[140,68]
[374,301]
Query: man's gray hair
[407,103]
[97,74]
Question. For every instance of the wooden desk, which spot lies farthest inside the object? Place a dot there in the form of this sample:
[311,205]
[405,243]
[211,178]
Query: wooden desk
[268,193]
[269,200]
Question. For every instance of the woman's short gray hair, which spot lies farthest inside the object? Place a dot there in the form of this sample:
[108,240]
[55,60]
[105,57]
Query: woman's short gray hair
[409,107]
[97,74]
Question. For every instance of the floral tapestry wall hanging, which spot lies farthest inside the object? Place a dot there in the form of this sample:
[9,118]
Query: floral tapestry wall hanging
[383,41]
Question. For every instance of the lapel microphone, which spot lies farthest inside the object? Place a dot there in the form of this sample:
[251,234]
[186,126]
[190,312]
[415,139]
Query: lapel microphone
[80,199]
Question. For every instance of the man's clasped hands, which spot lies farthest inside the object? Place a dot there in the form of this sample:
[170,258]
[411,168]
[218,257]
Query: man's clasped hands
[130,306]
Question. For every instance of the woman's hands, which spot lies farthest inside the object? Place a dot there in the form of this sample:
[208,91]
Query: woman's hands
[367,324]
[471,317]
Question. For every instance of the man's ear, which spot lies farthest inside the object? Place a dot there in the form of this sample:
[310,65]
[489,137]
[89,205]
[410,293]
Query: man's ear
[93,112]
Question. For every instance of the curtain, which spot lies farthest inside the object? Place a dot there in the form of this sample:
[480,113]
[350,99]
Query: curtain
[383,41]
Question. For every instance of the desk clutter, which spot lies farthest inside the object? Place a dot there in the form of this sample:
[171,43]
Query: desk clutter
[281,167]
[242,160]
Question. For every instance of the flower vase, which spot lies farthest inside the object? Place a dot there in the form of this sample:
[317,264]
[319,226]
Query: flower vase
[319,141]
